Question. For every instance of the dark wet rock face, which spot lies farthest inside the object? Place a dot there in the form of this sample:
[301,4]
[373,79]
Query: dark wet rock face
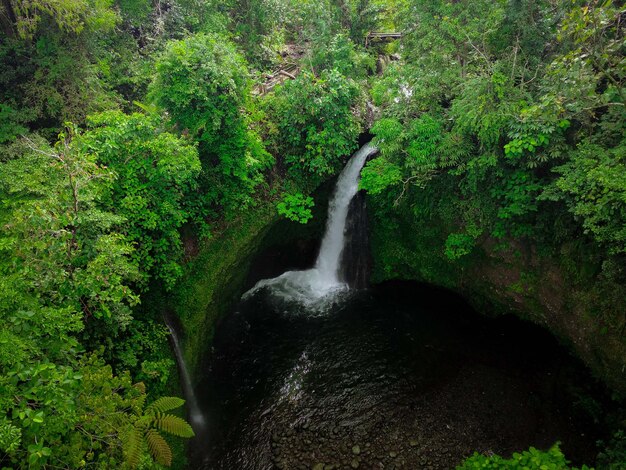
[356,262]
[399,376]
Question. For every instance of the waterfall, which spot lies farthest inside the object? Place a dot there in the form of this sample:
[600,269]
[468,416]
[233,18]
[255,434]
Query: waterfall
[327,263]
[321,283]
[196,418]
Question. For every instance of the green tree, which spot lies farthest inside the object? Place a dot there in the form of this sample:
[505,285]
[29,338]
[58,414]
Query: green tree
[203,83]
[315,123]
[155,171]
[62,262]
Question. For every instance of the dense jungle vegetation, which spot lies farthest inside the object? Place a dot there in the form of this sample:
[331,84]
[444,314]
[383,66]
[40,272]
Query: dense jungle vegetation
[127,125]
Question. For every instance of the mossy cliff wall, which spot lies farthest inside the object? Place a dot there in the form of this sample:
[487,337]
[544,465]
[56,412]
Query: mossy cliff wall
[227,264]
[561,291]
[213,280]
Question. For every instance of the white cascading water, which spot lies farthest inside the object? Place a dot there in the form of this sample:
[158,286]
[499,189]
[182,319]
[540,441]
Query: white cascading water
[319,284]
[196,418]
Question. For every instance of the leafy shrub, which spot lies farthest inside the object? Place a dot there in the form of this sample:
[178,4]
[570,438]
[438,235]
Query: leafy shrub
[379,174]
[203,83]
[155,171]
[296,207]
[315,123]
[458,245]
[341,54]
[593,184]
[532,458]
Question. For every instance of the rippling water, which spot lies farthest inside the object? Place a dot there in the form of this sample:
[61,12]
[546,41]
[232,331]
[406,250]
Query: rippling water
[400,376]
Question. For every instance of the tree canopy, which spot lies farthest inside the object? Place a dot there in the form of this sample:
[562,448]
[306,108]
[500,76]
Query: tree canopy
[132,131]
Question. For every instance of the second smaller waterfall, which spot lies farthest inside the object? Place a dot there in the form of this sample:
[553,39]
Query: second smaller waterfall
[315,286]
[196,417]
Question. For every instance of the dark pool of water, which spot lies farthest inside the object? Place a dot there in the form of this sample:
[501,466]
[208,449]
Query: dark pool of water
[399,376]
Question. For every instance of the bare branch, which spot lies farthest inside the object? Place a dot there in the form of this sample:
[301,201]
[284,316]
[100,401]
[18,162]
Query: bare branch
[31,145]
[482,54]
[405,185]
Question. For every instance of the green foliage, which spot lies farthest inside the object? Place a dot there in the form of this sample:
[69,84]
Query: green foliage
[203,83]
[484,107]
[392,89]
[143,434]
[164,404]
[10,126]
[57,233]
[517,196]
[66,87]
[423,139]
[315,123]
[593,64]
[316,21]
[296,207]
[508,141]
[48,201]
[140,350]
[10,437]
[155,171]
[366,15]
[341,54]
[258,27]
[458,245]
[416,145]
[552,459]
[379,174]
[135,11]
[593,184]
[69,15]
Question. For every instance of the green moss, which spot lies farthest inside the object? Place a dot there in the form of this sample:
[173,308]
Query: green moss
[213,280]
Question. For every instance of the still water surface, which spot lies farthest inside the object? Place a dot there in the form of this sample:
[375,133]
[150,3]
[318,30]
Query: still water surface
[398,376]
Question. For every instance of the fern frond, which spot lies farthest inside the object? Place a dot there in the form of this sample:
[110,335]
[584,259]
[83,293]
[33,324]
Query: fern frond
[141,399]
[143,422]
[141,387]
[164,404]
[159,448]
[173,425]
[133,442]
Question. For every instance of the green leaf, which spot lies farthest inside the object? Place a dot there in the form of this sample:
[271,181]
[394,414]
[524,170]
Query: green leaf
[173,425]
[164,404]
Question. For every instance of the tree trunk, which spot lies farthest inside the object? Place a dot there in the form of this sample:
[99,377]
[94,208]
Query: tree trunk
[8,20]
